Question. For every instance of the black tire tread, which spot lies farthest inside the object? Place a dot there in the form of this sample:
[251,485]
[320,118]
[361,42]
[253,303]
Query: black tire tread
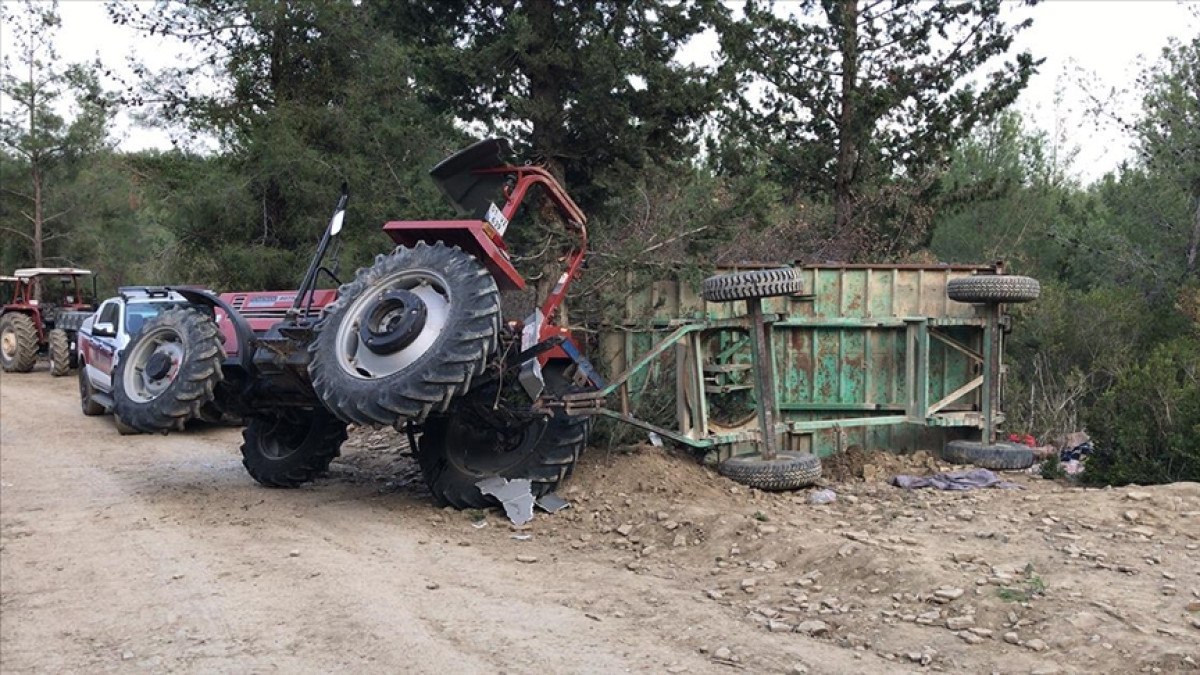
[194,385]
[320,447]
[788,471]
[1000,456]
[442,373]
[87,403]
[27,342]
[993,288]
[59,349]
[752,284]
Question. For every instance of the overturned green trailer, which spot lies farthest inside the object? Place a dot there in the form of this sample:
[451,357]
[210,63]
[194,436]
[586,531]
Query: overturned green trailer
[882,357]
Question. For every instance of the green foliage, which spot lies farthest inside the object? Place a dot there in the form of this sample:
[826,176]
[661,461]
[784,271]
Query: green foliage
[592,89]
[1052,468]
[863,101]
[1146,427]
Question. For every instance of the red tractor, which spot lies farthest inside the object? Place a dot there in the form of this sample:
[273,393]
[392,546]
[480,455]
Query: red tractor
[416,341]
[45,311]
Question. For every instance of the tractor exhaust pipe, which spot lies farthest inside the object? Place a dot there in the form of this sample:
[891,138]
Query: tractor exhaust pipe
[314,266]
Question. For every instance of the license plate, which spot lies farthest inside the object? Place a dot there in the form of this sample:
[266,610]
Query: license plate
[496,219]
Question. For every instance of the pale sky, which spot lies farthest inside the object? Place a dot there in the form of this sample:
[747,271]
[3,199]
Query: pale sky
[1105,39]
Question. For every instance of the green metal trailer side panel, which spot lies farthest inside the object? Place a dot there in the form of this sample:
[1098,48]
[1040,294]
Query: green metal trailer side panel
[859,345]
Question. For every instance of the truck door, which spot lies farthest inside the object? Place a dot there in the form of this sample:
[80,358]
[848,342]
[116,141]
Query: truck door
[101,349]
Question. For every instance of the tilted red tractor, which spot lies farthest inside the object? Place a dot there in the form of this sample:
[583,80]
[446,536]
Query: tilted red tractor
[42,317]
[416,341]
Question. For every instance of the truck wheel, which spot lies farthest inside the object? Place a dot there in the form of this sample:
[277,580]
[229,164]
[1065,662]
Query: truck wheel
[59,348]
[788,471]
[123,428]
[168,372]
[18,343]
[1000,456]
[291,449]
[458,449]
[86,399]
[752,284]
[406,336]
[989,288]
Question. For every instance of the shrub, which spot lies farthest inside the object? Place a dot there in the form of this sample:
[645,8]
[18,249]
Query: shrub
[1146,427]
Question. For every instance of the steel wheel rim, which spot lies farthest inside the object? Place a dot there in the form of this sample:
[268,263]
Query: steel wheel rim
[8,343]
[284,437]
[357,360]
[140,387]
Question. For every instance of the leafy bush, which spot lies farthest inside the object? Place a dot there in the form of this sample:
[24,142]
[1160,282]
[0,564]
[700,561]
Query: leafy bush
[1146,427]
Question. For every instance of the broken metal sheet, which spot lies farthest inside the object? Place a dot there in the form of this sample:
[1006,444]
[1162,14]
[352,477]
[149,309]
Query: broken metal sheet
[552,503]
[515,495]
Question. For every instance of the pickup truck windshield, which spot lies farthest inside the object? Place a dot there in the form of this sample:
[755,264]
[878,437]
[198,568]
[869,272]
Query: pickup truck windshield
[137,313]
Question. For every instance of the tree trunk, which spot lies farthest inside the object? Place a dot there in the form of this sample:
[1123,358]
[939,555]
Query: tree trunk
[847,152]
[1193,249]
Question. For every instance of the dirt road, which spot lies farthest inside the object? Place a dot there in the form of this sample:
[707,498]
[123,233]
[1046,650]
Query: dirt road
[159,553]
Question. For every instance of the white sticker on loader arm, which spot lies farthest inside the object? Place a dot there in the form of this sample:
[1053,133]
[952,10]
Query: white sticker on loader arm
[496,219]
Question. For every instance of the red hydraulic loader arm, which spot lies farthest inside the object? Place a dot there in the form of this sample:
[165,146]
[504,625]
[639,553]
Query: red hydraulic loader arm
[471,179]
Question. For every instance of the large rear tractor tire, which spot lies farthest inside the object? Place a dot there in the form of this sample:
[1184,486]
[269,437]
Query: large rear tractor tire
[168,372]
[406,336]
[992,288]
[18,343]
[87,399]
[59,349]
[288,450]
[458,449]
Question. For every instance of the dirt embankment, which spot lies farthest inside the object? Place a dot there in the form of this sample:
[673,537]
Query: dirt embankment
[159,553]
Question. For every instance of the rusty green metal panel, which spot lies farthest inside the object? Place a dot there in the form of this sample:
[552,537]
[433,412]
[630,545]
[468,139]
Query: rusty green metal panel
[861,345]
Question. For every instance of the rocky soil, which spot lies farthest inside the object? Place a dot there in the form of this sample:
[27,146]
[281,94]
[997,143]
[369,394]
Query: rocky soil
[159,553]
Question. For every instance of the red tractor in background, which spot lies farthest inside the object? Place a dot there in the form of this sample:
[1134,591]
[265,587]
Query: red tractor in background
[42,317]
[416,341]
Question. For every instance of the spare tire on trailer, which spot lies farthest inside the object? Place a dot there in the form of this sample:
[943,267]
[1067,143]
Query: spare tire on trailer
[406,336]
[1000,456]
[788,471]
[992,288]
[168,372]
[752,284]
[458,449]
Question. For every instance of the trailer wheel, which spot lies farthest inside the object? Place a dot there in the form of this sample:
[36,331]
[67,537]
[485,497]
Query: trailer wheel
[18,343]
[59,349]
[406,336]
[168,372]
[1001,456]
[991,288]
[458,449]
[788,471]
[288,450]
[752,284]
[87,400]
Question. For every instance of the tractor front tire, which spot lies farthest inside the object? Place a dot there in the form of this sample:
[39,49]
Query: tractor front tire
[18,343]
[289,450]
[168,372]
[59,349]
[788,471]
[406,336]
[993,288]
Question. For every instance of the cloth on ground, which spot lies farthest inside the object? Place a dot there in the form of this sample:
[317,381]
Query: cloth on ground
[955,480]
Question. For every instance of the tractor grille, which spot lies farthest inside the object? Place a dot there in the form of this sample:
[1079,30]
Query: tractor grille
[278,313]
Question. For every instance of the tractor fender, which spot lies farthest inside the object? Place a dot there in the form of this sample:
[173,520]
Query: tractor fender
[473,236]
[241,328]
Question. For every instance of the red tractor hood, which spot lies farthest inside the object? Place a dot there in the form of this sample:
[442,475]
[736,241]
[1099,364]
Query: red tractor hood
[263,309]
